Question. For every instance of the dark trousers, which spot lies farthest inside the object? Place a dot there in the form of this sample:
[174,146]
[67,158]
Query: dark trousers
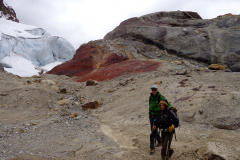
[166,151]
[154,133]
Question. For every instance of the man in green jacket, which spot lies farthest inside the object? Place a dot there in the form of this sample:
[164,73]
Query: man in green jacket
[154,113]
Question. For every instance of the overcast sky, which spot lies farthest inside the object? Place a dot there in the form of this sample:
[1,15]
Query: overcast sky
[80,21]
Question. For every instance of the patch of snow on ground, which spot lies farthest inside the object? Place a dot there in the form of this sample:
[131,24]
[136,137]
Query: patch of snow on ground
[20,66]
[50,66]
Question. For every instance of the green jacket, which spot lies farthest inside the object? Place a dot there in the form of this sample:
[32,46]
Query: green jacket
[153,103]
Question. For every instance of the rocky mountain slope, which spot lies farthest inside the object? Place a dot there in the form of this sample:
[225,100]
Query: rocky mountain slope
[186,34]
[47,116]
[157,36]
[42,116]
[7,12]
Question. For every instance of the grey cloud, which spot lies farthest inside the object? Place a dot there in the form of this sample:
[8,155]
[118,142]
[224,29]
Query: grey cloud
[44,13]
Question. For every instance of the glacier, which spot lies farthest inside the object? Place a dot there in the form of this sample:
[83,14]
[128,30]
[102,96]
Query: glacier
[32,43]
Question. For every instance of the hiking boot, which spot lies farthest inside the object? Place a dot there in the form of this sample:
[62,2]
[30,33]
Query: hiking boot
[171,151]
[158,144]
[152,151]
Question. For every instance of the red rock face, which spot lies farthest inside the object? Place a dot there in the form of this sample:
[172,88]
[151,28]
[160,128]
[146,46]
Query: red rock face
[118,69]
[97,63]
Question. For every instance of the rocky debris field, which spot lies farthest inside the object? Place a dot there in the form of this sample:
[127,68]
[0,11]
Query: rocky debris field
[47,117]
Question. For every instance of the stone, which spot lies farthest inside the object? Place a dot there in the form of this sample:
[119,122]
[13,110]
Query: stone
[186,62]
[91,83]
[63,102]
[71,98]
[79,95]
[177,62]
[235,67]
[1,68]
[3,94]
[63,91]
[158,82]
[216,67]
[203,136]
[54,88]
[226,70]
[21,130]
[49,82]
[91,105]
[74,115]
[122,84]
[182,72]
[132,89]
[110,90]
[213,151]
[38,81]
[76,103]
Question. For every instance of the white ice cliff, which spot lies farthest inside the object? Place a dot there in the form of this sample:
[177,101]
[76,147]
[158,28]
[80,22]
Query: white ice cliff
[25,50]
[33,44]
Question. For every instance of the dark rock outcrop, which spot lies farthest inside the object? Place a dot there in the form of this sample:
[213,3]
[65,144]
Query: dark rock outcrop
[1,68]
[235,67]
[91,83]
[7,12]
[186,34]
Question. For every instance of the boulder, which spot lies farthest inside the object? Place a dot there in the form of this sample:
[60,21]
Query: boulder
[91,105]
[222,113]
[212,151]
[216,67]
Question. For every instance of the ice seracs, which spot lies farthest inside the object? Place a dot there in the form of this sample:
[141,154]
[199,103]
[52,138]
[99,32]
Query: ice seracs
[33,44]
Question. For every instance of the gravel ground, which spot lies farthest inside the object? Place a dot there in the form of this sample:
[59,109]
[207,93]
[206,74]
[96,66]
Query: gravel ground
[35,126]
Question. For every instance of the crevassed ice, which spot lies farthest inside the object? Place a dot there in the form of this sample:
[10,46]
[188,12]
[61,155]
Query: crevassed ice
[33,44]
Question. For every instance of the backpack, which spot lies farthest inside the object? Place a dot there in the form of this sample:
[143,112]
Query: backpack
[174,109]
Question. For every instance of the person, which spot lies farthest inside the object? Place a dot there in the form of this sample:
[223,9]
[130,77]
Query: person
[154,113]
[167,123]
